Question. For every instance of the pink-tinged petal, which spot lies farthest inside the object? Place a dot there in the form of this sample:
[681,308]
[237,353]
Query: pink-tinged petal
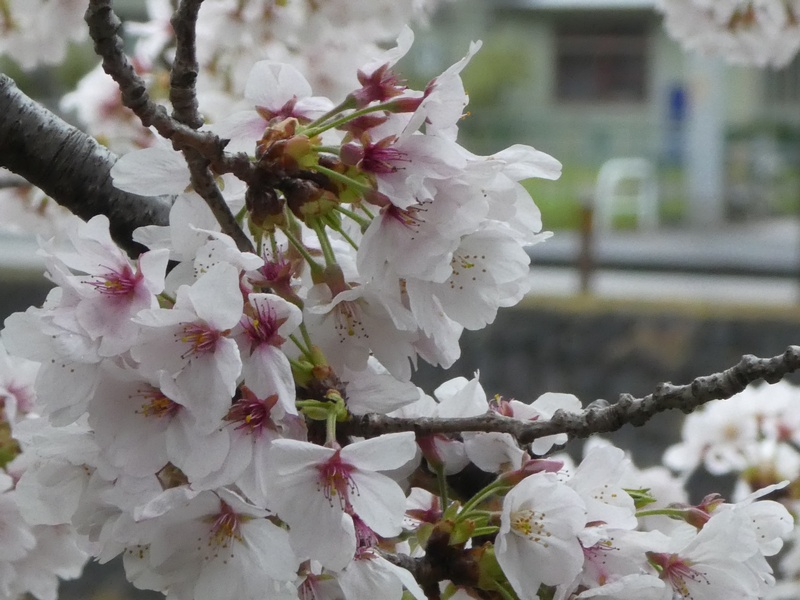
[272,84]
[243,128]
[289,456]
[207,383]
[515,561]
[217,298]
[379,502]
[64,389]
[271,544]
[195,453]
[525,162]
[391,56]
[151,172]
[153,267]
[268,372]
[382,453]
[323,533]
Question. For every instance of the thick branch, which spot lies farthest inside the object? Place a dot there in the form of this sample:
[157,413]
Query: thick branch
[70,167]
[598,417]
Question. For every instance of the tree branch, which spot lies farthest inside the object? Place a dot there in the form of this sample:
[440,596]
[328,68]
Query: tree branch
[183,75]
[70,167]
[599,417]
[201,149]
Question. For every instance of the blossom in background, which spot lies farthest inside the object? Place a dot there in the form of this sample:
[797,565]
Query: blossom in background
[757,32]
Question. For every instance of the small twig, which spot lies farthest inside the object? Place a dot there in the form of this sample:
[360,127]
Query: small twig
[597,418]
[205,185]
[183,74]
[201,149]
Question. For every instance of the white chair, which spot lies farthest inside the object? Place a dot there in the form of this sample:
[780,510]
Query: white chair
[626,186]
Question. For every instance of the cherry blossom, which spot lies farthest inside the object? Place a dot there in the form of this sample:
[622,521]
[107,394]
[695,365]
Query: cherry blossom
[315,490]
[538,539]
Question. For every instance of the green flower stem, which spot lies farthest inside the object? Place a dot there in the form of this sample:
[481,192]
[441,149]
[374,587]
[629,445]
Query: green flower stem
[346,237]
[343,179]
[317,129]
[362,222]
[324,242]
[328,149]
[306,350]
[330,429]
[239,215]
[676,513]
[367,212]
[487,530]
[315,266]
[500,589]
[307,338]
[442,479]
[346,104]
[482,495]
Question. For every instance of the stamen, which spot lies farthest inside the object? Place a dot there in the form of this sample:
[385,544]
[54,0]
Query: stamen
[116,283]
[336,481]
[200,337]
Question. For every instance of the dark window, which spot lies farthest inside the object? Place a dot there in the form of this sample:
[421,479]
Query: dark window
[606,64]
[783,85]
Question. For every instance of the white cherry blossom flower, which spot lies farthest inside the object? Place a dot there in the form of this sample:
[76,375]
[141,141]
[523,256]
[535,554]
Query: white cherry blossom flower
[215,546]
[192,342]
[316,489]
[538,538]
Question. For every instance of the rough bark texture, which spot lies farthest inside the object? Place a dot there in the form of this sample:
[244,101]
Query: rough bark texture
[70,167]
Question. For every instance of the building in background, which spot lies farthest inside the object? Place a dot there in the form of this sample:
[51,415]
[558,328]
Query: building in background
[590,80]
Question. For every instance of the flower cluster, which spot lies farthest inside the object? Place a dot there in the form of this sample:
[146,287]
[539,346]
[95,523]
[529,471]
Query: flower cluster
[757,32]
[192,410]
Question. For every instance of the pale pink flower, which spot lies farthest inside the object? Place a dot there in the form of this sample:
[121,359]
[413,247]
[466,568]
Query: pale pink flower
[215,546]
[276,91]
[268,322]
[317,489]
[192,342]
[538,538]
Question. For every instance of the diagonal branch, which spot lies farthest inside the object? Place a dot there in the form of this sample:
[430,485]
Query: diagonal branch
[202,149]
[70,167]
[598,417]
[183,74]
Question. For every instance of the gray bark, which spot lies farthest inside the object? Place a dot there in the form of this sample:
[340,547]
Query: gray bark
[70,167]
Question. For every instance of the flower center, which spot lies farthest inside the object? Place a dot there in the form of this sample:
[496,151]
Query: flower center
[225,528]
[380,157]
[678,572]
[251,413]
[156,404]
[336,481]
[348,320]
[263,327]
[114,283]
[530,525]
[200,338]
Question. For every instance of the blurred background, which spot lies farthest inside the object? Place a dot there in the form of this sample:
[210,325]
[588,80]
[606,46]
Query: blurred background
[676,245]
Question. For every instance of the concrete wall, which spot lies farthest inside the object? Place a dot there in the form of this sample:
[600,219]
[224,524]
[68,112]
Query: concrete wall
[600,349]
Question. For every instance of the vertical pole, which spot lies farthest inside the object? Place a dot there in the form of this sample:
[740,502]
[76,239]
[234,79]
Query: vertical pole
[586,254]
